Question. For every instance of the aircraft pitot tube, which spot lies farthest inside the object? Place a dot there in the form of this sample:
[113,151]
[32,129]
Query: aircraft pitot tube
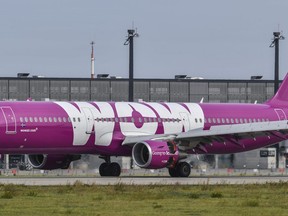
[153,154]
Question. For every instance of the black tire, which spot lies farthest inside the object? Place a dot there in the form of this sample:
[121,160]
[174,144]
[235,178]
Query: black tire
[184,169]
[114,169]
[173,172]
[103,169]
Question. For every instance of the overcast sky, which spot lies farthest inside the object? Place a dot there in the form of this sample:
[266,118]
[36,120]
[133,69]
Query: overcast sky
[220,39]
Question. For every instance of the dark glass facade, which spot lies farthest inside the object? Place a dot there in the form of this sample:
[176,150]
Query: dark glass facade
[62,89]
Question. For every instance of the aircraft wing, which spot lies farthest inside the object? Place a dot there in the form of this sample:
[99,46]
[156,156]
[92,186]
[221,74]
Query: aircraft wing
[221,133]
[242,129]
[232,133]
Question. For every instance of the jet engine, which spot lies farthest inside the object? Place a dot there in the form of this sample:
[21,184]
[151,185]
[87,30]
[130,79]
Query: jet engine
[50,162]
[153,154]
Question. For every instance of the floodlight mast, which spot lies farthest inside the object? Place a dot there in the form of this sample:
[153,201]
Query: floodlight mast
[275,43]
[131,34]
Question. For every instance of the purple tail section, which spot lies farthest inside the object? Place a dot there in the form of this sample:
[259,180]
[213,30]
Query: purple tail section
[281,97]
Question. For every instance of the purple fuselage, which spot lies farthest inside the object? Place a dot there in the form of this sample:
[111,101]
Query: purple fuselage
[101,127]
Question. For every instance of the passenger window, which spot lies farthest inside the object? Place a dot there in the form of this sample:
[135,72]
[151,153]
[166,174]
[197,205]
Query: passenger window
[45,119]
[35,119]
[21,119]
[196,120]
[74,119]
[40,119]
[232,121]
[116,120]
[218,120]
[214,120]
[227,120]
[200,120]
[236,120]
[55,119]
[241,120]
[209,120]
[50,119]
[69,119]
[159,120]
[64,119]
[59,119]
[223,120]
[31,119]
[79,119]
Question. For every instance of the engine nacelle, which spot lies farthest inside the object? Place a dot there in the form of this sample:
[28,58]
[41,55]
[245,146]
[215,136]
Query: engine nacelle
[155,154]
[50,162]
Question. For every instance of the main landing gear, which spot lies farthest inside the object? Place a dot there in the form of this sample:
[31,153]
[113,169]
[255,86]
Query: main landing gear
[182,169]
[108,168]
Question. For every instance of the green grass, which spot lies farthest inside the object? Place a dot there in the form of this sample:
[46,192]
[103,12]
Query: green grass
[120,199]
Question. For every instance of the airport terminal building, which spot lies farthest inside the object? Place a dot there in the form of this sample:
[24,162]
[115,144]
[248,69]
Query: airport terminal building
[153,90]
[169,90]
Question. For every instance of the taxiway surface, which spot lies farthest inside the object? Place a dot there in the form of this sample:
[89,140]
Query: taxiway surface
[143,180]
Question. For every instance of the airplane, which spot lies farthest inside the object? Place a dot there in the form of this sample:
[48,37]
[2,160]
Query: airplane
[156,135]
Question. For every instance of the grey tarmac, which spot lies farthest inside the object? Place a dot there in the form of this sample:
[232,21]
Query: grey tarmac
[41,181]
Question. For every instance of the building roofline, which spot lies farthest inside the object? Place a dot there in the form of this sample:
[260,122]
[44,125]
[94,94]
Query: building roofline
[144,79]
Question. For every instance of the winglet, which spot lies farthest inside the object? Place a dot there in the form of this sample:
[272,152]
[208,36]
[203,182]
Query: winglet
[281,96]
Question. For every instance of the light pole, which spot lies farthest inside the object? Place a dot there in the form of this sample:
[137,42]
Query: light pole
[131,34]
[275,43]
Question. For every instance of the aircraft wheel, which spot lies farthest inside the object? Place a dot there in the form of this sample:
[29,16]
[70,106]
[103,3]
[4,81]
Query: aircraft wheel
[184,169]
[173,172]
[115,169]
[103,169]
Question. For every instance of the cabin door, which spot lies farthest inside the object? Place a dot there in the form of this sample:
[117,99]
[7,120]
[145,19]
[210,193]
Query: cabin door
[10,120]
[89,120]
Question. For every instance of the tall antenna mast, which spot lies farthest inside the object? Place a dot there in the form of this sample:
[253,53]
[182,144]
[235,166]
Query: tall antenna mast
[92,60]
